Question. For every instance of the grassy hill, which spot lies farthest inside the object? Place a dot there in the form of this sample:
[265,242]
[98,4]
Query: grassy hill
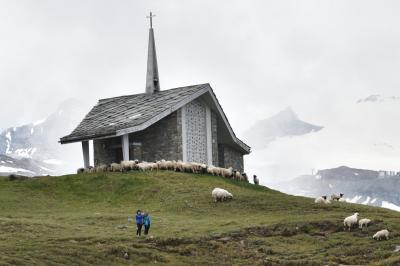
[76,219]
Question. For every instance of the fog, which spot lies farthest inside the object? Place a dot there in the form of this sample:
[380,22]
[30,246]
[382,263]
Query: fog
[319,57]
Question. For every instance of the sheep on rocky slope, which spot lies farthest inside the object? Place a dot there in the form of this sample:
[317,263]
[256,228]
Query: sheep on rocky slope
[350,221]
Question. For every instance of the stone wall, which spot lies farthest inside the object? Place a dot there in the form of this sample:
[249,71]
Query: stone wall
[233,158]
[214,138]
[162,140]
[107,151]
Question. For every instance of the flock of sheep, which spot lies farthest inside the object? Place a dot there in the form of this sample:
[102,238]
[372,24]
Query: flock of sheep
[219,194]
[353,220]
[177,166]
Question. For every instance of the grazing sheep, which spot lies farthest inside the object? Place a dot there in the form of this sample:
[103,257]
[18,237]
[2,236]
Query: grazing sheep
[162,165]
[212,170]
[116,167]
[170,165]
[178,166]
[80,170]
[322,199]
[220,194]
[350,221]
[237,175]
[187,168]
[128,165]
[227,172]
[88,170]
[199,168]
[334,196]
[363,222]
[381,234]
[101,168]
[144,166]
[245,178]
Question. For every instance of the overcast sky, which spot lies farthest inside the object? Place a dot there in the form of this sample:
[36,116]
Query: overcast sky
[259,56]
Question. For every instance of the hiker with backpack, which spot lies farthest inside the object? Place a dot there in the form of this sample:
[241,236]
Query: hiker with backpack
[146,223]
[139,222]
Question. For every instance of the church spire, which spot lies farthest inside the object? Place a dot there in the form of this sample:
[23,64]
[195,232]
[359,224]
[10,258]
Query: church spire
[152,79]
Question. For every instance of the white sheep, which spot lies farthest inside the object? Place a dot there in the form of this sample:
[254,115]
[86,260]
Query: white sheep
[88,170]
[350,221]
[144,166]
[220,194]
[170,165]
[199,168]
[128,165]
[212,170]
[334,196]
[178,166]
[322,199]
[162,165]
[116,167]
[363,222]
[227,172]
[256,180]
[101,168]
[236,175]
[381,234]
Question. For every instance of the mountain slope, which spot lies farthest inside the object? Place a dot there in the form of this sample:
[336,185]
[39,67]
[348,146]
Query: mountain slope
[284,124]
[77,219]
[358,185]
[24,166]
[38,141]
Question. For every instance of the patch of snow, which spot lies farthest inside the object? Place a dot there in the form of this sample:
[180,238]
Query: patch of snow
[318,177]
[373,201]
[53,161]
[32,130]
[8,161]
[7,169]
[366,201]
[41,121]
[2,162]
[8,136]
[356,174]
[330,186]
[46,169]
[25,153]
[388,205]
[355,199]
[14,129]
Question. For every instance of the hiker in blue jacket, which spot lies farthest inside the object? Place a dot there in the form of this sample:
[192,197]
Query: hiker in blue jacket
[146,222]
[139,222]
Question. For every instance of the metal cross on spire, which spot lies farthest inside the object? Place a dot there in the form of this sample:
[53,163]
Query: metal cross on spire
[151,19]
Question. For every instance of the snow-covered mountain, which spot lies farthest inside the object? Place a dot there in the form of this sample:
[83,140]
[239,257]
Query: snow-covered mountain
[283,124]
[24,166]
[376,98]
[377,188]
[37,143]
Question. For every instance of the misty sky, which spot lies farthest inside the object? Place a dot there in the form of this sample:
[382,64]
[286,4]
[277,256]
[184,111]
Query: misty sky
[259,56]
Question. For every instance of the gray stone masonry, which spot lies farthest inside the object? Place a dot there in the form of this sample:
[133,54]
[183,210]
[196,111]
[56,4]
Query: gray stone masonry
[233,158]
[214,138]
[162,140]
[107,151]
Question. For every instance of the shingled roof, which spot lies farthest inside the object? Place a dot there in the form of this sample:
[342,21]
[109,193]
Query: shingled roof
[126,114]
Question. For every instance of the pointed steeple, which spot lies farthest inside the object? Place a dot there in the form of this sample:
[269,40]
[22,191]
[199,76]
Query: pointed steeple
[152,79]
